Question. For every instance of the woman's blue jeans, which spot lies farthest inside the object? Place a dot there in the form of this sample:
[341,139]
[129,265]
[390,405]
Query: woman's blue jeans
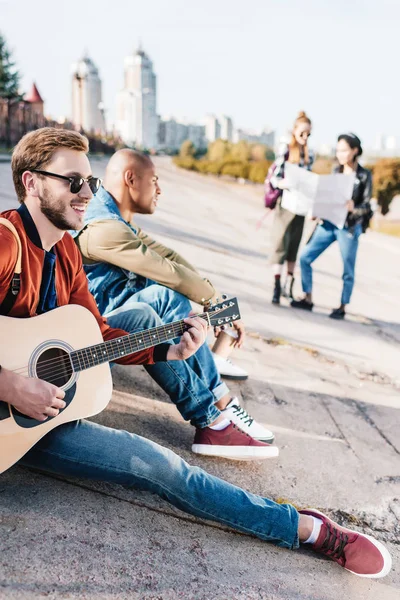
[194,385]
[87,450]
[324,235]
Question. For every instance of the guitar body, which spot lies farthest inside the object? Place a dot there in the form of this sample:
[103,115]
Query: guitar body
[42,345]
[65,347]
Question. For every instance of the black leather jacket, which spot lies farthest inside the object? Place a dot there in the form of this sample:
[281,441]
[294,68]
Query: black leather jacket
[362,193]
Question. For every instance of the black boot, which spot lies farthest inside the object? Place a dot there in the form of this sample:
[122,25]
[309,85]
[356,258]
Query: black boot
[276,298]
[287,290]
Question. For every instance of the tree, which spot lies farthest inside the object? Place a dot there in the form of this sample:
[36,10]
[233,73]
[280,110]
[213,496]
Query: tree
[323,166]
[187,149]
[258,151]
[241,151]
[9,82]
[9,76]
[386,181]
[218,150]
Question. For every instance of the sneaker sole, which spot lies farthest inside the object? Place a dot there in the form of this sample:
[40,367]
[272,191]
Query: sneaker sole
[387,559]
[236,452]
[264,440]
[234,377]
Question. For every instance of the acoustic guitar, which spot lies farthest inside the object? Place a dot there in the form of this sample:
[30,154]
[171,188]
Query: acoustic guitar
[65,347]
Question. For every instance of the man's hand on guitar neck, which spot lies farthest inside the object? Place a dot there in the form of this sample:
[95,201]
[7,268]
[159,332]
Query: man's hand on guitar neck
[32,397]
[40,400]
[190,341]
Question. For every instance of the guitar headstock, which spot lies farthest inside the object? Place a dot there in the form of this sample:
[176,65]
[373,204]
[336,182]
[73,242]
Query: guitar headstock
[224,313]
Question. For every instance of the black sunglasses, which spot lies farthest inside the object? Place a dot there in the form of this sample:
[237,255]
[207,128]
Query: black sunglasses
[75,181]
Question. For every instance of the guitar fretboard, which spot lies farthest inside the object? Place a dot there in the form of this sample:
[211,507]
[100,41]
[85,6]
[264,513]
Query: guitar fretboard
[128,344]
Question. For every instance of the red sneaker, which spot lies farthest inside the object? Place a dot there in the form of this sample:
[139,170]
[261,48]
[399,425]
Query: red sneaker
[231,442]
[356,552]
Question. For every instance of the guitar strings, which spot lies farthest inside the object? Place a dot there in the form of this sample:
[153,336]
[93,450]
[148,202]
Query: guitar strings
[56,366]
[65,363]
[53,361]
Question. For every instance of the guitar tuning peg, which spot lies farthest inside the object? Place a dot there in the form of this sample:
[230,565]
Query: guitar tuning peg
[224,296]
[231,324]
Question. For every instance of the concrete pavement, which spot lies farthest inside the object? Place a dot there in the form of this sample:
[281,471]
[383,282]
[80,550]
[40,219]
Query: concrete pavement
[328,390]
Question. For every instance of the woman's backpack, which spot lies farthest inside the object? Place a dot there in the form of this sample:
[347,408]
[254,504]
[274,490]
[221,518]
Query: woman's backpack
[272,194]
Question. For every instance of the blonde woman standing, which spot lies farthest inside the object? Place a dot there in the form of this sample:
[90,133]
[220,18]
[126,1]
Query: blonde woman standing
[288,227]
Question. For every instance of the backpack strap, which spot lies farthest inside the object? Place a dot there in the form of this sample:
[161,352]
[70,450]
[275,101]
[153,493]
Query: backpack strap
[15,286]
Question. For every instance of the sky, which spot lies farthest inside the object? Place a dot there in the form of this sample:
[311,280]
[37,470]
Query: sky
[260,62]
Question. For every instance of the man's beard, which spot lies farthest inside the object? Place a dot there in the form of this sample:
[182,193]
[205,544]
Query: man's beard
[54,211]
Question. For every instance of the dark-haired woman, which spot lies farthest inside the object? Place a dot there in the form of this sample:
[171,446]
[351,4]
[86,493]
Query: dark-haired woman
[288,227]
[348,150]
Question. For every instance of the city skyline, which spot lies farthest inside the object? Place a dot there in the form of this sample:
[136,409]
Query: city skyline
[226,59]
[137,121]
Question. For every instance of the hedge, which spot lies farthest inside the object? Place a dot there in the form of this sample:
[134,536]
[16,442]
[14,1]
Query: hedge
[255,171]
[386,173]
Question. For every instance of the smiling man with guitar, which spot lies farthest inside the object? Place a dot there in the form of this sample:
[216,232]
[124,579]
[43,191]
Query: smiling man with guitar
[46,386]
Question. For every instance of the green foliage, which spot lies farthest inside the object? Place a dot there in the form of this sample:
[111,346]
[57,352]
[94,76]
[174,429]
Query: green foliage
[218,150]
[241,160]
[9,76]
[184,163]
[258,170]
[386,181]
[270,154]
[187,149]
[258,151]
[323,166]
[235,169]
[241,151]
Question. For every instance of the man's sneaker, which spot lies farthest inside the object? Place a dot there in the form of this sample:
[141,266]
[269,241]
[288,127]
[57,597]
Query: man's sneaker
[228,370]
[235,413]
[358,553]
[304,304]
[232,443]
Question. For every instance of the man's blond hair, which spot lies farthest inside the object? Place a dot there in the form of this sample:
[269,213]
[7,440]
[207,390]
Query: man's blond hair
[35,150]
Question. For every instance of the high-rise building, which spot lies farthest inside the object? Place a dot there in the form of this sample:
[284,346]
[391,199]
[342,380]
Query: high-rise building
[196,134]
[266,137]
[87,106]
[137,121]
[213,128]
[173,133]
[226,128]
[390,143]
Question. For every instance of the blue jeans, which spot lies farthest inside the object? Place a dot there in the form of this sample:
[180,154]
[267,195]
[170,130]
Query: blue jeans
[84,449]
[324,235]
[194,385]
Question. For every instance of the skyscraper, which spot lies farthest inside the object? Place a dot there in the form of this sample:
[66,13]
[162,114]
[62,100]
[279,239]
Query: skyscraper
[137,120]
[87,112]
[213,128]
[226,125]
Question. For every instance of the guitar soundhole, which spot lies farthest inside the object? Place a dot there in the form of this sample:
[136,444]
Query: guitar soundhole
[54,366]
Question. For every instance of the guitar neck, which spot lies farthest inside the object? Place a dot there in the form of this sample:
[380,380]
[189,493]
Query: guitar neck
[88,357]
